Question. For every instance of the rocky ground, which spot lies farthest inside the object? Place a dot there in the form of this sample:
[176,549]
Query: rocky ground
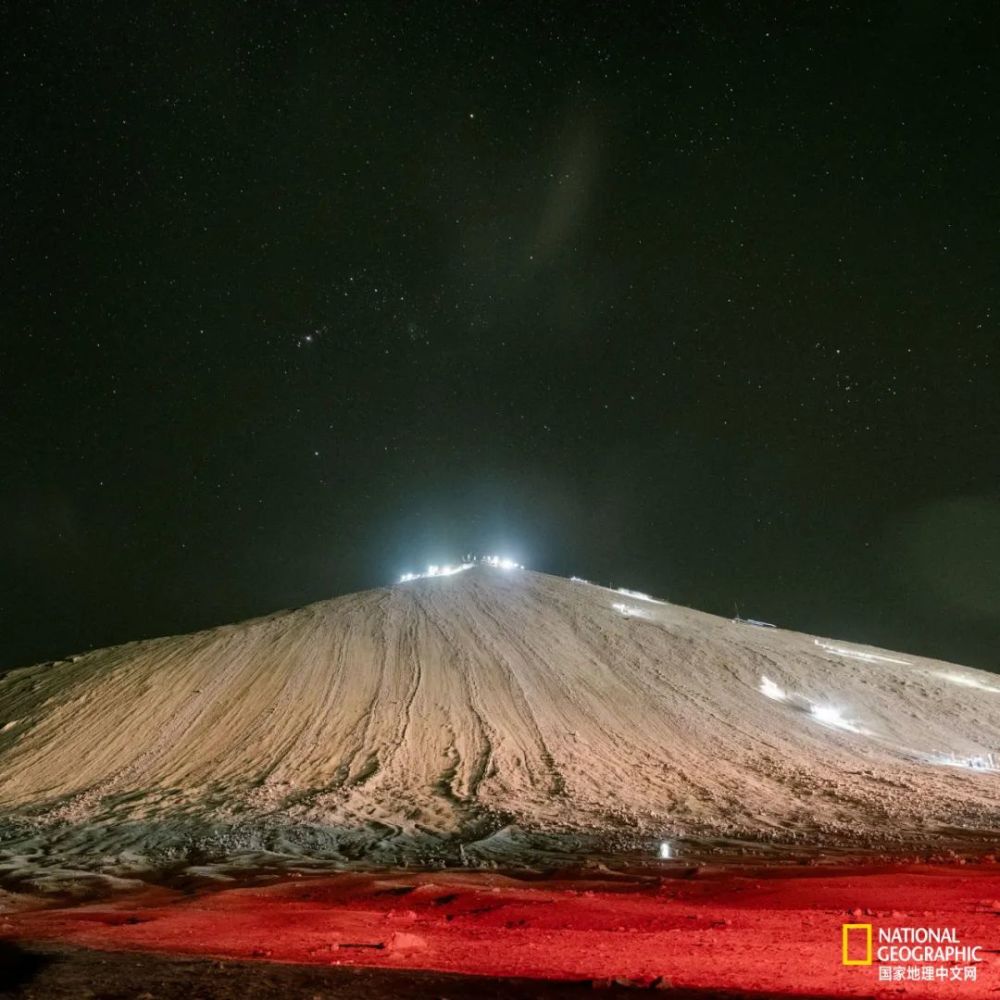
[58,973]
[756,931]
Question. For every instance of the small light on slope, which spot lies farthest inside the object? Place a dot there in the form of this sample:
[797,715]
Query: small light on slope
[963,681]
[827,715]
[628,611]
[830,716]
[976,762]
[433,571]
[981,762]
[771,690]
[638,595]
[665,853]
[857,654]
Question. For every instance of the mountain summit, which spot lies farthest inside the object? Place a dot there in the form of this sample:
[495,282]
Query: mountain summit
[490,715]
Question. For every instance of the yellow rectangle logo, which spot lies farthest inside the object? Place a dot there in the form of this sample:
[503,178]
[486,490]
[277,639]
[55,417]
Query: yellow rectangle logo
[845,944]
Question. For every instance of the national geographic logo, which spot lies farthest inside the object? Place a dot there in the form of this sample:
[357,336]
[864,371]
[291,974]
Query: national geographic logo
[924,954]
[852,935]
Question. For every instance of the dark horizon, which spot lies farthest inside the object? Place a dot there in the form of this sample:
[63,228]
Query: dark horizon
[698,300]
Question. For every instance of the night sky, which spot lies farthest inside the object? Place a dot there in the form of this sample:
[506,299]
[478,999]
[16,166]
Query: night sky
[699,299]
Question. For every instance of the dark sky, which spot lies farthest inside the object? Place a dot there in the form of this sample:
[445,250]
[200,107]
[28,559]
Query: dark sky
[699,299]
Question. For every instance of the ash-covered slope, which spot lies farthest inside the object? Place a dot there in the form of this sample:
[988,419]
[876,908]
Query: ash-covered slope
[486,715]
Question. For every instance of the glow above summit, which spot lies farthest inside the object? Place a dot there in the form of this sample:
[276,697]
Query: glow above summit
[498,562]
[501,562]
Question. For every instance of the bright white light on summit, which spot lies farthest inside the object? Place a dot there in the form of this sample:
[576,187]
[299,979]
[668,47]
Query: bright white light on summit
[499,562]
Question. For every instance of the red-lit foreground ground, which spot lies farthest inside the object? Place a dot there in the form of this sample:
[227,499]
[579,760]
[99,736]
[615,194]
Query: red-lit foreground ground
[769,931]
